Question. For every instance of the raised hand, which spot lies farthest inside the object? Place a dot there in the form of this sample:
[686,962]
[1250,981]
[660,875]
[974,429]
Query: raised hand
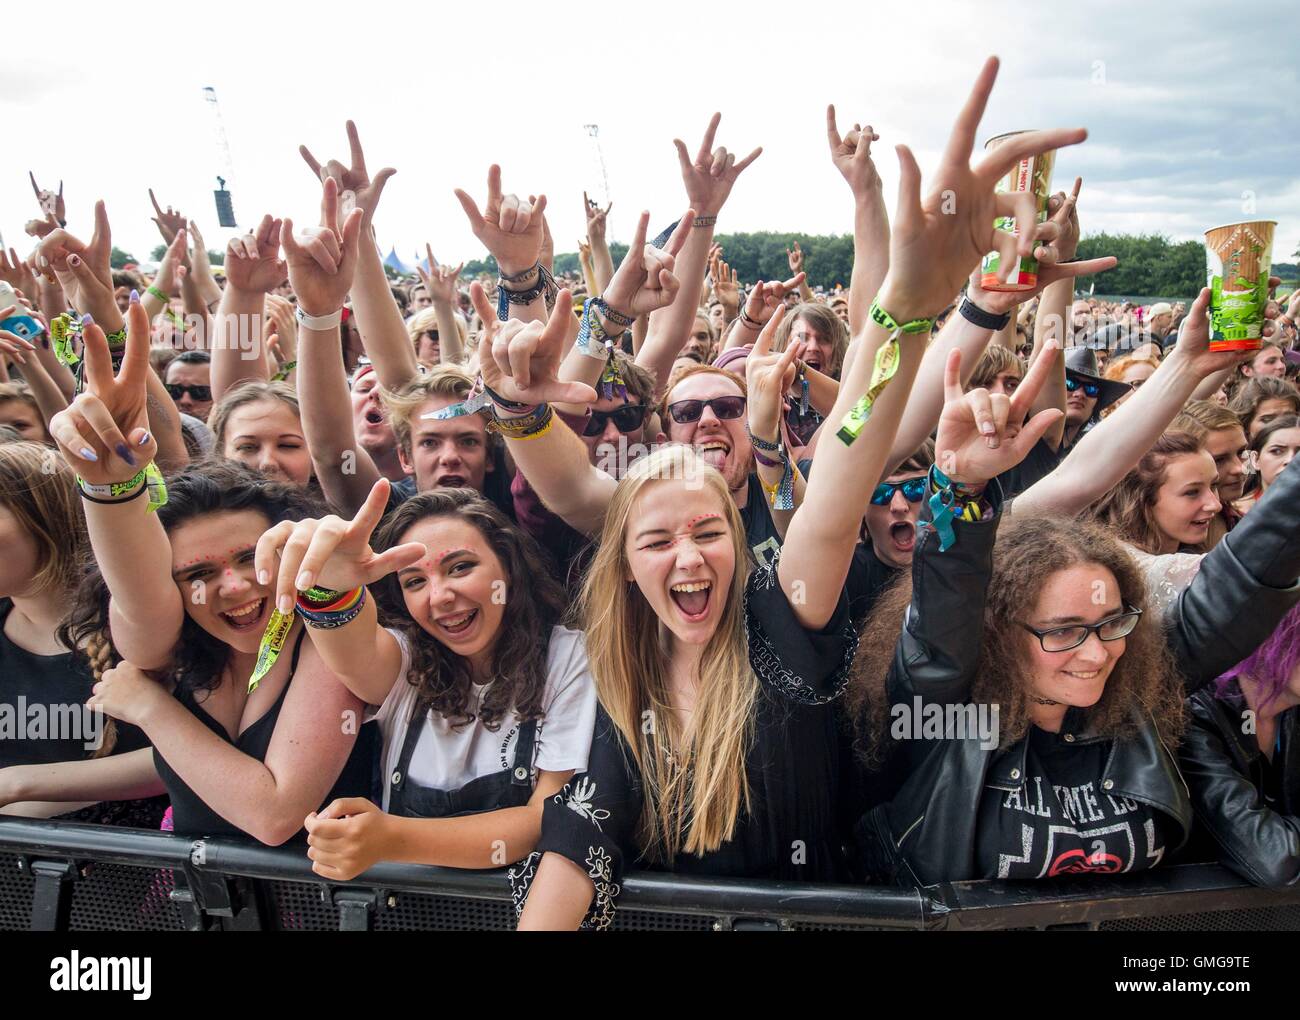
[1194,341]
[852,155]
[509,227]
[283,327]
[55,213]
[521,362]
[103,434]
[127,693]
[356,189]
[1063,212]
[167,221]
[330,552]
[595,217]
[11,344]
[936,243]
[253,261]
[440,281]
[82,270]
[322,260]
[726,287]
[983,434]
[765,298]
[710,178]
[795,258]
[645,282]
[768,377]
[171,268]
[17,273]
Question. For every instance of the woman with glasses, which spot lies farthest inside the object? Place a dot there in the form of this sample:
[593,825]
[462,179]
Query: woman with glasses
[1024,718]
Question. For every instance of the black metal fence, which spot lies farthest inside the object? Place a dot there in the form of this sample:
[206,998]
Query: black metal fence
[59,876]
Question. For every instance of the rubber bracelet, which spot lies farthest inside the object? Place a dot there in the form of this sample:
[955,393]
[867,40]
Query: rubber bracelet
[977,316]
[151,289]
[319,322]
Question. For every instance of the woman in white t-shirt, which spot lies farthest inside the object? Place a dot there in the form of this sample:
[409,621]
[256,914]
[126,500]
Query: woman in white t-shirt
[485,700]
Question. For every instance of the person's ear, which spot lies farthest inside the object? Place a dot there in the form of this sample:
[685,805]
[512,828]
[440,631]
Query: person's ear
[404,460]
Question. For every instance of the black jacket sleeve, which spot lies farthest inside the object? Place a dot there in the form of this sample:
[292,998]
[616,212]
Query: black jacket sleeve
[1244,587]
[939,646]
[1258,843]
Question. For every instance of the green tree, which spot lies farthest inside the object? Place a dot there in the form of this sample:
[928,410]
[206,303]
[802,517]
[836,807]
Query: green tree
[117,258]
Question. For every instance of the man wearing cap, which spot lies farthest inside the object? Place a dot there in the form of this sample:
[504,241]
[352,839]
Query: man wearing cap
[1160,317]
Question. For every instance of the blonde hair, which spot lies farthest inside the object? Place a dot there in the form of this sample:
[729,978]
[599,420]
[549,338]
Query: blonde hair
[423,321]
[694,779]
[450,382]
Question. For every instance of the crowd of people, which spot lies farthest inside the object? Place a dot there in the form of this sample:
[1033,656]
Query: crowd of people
[648,567]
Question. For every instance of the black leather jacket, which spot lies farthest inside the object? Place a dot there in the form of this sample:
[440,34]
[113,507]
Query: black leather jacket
[926,833]
[1225,769]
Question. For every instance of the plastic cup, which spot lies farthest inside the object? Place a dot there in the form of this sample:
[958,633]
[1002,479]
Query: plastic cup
[1034,173]
[1238,258]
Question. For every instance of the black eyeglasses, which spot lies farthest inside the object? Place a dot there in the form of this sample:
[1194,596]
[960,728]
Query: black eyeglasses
[1062,639]
[913,490]
[686,411]
[1090,389]
[199,393]
[627,418]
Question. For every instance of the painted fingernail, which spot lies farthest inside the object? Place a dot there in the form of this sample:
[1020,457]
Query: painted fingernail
[87,320]
[74,261]
[88,454]
[135,296]
[263,576]
[143,440]
[44,262]
[125,453]
[987,428]
[304,580]
[284,605]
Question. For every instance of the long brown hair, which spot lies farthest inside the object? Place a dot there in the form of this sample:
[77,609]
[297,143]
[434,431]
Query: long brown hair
[1030,549]
[694,779]
[1128,509]
[535,603]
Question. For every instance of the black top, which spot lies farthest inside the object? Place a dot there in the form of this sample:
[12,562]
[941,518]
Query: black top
[192,817]
[760,533]
[792,768]
[43,718]
[496,487]
[1062,820]
[1040,462]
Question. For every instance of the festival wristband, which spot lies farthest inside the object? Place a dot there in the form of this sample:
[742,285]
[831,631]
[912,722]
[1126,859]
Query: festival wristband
[529,426]
[280,624]
[151,289]
[282,373]
[886,364]
[319,322]
[781,493]
[122,492]
[951,501]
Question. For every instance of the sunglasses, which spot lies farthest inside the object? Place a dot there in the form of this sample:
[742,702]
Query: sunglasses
[686,411]
[1090,389]
[1062,639]
[199,393]
[627,418]
[913,490]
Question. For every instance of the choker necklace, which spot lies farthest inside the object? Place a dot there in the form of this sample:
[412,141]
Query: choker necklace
[1042,701]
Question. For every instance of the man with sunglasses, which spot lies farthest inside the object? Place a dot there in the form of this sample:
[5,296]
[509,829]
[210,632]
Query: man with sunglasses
[1087,394]
[188,380]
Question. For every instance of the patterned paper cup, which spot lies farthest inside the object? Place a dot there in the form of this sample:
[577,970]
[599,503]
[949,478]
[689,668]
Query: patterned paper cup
[1031,174]
[1238,258]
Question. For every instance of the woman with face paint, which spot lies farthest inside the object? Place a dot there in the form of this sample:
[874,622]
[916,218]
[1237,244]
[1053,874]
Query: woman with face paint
[485,700]
[228,718]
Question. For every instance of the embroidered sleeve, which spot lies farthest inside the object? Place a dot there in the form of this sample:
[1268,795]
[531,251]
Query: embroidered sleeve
[805,666]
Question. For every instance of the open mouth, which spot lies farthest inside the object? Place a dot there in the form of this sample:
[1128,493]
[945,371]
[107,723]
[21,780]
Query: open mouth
[458,624]
[713,452]
[903,535]
[814,363]
[1203,523]
[246,617]
[374,418]
[692,599]
[452,482]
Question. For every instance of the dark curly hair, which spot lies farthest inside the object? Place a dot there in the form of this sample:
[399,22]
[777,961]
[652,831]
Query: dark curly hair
[1029,550]
[208,488]
[442,678]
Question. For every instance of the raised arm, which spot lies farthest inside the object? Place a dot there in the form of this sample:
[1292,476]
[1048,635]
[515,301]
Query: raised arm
[440,282]
[767,378]
[321,267]
[1113,447]
[253,269]
[934,249]
[708,180]
[103,436]
[519,363]
[383,332]
[602,263]
[852,158]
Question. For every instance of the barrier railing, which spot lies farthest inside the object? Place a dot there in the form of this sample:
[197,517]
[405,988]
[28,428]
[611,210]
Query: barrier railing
[60,876]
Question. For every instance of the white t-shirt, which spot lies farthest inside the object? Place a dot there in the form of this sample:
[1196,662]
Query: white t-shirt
[448,758]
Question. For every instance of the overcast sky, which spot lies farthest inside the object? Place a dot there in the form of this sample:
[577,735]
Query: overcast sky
[1190,107]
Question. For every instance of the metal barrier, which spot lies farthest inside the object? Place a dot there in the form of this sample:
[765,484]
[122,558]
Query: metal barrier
[60,876]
